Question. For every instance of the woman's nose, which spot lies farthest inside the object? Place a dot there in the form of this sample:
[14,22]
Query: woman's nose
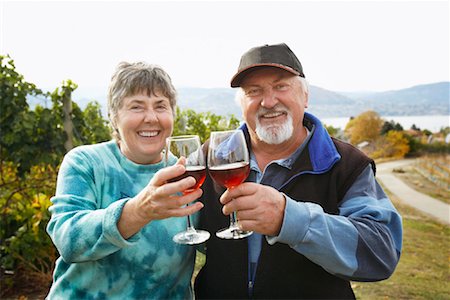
[150,116]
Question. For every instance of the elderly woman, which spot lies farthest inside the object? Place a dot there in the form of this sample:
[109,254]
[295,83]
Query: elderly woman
[112,212]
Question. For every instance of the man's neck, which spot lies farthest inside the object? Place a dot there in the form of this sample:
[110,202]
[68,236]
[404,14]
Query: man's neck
[265,153]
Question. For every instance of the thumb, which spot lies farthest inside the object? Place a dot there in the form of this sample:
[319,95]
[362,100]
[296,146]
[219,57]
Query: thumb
[181,161]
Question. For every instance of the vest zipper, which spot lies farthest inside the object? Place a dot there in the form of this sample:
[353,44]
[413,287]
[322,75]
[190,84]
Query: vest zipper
[250,289]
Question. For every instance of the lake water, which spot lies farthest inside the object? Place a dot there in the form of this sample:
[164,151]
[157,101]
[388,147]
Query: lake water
[432,123]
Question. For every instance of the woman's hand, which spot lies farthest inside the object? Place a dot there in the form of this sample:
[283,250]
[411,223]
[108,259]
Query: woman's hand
[160,199]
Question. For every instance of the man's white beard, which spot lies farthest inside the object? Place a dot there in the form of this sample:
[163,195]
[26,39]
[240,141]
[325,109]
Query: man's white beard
[274,134]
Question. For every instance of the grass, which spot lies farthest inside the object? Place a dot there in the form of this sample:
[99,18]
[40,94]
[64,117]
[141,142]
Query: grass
[423,270]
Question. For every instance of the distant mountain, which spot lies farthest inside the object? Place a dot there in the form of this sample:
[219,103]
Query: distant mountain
[320,96]
[437,93]
[327,104]
[426,99]
[219,101]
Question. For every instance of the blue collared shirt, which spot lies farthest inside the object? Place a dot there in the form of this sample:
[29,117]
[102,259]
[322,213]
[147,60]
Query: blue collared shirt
[275,174]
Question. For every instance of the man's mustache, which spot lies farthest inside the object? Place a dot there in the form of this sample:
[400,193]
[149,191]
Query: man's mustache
[276,109]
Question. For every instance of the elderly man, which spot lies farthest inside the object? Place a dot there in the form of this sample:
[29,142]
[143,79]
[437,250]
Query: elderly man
[319,217]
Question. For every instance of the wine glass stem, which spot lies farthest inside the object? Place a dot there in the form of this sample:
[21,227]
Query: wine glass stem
[233,219]
[189,224]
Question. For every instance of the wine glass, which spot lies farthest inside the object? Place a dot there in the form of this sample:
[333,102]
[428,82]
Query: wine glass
[228,165]
[189,146]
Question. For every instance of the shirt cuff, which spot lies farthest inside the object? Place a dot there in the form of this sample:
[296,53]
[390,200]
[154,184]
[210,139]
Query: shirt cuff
[110,220]
[296,222]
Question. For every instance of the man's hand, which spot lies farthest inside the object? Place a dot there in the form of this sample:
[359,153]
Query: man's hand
[259,208]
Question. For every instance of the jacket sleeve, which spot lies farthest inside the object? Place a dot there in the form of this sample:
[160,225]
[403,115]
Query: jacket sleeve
[362,243]
[79,229]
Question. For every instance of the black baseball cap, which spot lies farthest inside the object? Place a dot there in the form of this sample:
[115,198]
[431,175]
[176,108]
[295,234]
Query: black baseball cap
[278,56]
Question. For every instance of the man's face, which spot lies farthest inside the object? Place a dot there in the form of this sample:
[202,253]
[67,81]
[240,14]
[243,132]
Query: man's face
[273,104]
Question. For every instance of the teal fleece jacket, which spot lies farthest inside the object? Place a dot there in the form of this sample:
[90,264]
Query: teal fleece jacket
[96,262]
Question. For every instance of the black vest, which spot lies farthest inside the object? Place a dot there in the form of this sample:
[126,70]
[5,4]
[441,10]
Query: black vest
[282,272]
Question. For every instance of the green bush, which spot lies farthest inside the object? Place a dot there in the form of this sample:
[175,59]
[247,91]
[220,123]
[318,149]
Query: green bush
[26,252]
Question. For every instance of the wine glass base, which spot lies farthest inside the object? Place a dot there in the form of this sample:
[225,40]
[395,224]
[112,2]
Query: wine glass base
[232,233]
[191,237]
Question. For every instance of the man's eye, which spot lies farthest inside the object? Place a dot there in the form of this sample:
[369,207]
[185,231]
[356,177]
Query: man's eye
[281,87]
[253,92]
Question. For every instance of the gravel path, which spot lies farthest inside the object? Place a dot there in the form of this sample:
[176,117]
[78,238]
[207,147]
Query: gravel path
[438,209]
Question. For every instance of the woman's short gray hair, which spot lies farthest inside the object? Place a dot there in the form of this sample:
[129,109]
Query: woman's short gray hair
[240,92]
[133,78]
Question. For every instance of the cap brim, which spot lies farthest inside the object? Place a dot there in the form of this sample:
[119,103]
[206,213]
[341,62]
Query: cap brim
[239,76]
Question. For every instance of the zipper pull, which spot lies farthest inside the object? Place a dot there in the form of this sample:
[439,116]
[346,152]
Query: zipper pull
[250,289]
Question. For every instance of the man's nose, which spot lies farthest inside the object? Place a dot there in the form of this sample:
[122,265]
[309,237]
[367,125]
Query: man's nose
[269,99]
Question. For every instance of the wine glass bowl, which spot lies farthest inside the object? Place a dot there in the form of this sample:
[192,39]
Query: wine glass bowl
[199,174]
[230,175]
[228,166]
[189,147]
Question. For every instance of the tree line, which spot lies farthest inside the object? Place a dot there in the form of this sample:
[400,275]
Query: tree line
[381,139]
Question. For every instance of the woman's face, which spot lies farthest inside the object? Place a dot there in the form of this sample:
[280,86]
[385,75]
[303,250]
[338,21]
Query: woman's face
[144,122]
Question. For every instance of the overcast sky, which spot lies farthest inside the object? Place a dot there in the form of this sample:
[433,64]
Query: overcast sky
[343,45]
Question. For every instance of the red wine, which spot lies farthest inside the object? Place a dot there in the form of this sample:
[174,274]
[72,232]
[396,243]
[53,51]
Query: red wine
[198,172]
[230,175]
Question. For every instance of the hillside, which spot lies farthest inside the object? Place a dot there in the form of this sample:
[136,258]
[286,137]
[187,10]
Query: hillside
[426,99]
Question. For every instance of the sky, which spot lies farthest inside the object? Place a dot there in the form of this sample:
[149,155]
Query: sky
[342,45]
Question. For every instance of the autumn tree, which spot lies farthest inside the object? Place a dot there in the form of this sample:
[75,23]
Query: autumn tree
[394,145]
[365,127]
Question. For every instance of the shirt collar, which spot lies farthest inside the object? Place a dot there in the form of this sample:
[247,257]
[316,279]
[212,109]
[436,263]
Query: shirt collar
[284,162]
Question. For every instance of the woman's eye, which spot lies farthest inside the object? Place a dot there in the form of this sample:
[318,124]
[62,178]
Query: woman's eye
[161,107]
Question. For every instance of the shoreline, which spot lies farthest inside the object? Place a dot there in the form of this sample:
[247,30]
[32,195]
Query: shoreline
[433,123]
